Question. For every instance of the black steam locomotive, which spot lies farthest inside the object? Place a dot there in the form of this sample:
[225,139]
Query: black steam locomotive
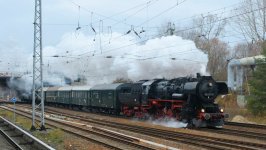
[187,99]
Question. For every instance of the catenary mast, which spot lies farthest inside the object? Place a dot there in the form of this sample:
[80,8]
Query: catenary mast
[37,86]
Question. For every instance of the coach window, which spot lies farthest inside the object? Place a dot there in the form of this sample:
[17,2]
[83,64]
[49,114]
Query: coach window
[89,95]
[83,94]
[110,95]
[78,94]
[96,95]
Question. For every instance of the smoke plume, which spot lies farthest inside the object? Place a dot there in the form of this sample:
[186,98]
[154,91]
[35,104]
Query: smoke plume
[104,58]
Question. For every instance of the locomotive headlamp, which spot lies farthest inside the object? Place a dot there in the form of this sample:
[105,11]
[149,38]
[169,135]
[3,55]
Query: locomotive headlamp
[202,110]
[221,110]
[210,84]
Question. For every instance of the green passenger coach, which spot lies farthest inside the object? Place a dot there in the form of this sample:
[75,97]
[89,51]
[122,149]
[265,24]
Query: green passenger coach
[64,95]
[80,96]
[51,94]
[102,97]
[105,96]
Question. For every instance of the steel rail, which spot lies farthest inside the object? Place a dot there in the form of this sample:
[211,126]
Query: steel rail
[11,141]
[118,138]
[174,136]
[27,135]
[249,125]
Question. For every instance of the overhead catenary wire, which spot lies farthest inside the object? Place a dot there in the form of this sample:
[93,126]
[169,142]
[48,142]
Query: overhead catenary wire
[149,3]
[161,13]
[160,35]
[113,37]
[143,58]
[176,31]
[136,33]
[181,19]
[106,51]
[204,14]
[169,55]
[103,17]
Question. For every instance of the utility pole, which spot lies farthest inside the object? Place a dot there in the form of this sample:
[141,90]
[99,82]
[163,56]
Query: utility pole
[37,86]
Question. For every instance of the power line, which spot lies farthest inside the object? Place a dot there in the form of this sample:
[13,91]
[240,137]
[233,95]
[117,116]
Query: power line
[155,57]
[209,12]
[162,34]
[141,9]
[186,29]
[161,13]
[110,17]
[171,56]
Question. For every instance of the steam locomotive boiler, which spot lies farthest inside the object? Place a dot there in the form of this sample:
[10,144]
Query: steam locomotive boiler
[187,99]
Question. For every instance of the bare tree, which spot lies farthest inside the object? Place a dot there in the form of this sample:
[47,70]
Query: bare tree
[251,19]
[209,26]
[242,50]
[217,64]
[203,27]
[205,31]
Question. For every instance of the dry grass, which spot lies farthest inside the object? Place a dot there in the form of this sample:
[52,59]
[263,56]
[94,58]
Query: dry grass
[76,144]
[53,137]
[6,114]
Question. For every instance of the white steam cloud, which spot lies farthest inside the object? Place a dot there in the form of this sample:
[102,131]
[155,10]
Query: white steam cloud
[166,122]
[169,122]
[107,58]
[122,56]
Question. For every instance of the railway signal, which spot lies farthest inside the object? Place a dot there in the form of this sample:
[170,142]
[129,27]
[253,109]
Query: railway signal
[13,100]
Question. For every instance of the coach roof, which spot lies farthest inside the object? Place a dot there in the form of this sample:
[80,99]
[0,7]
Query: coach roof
[55,88]
[113,86]
[81,88]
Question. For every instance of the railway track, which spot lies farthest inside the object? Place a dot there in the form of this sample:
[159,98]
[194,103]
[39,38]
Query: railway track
[240,133]
[228,131]
[119,141]
[20,139]
[202,141]
[213,143]
[248,125]
[228,123]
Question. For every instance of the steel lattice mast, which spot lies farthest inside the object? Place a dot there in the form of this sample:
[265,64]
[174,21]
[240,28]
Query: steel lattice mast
[37,67]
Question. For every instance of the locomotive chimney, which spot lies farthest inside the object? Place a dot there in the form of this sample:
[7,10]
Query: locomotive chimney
[198,75]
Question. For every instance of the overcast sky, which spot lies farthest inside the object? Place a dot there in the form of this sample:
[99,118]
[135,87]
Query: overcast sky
[62,16]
